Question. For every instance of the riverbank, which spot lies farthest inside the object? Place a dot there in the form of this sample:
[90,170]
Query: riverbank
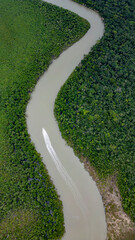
[119,224]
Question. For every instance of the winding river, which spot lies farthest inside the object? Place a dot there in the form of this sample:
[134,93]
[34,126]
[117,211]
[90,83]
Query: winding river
[82,204]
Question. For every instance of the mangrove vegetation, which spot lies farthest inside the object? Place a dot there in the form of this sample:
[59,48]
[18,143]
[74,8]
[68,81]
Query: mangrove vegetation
[32,34]
[96,106]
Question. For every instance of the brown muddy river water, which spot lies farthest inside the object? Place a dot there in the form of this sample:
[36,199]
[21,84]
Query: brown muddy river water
[82,204]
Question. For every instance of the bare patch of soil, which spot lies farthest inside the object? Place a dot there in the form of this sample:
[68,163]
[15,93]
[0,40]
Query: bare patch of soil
[119,224]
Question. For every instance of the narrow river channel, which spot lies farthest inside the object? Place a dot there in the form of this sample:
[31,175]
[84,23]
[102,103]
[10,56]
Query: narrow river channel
[82,204]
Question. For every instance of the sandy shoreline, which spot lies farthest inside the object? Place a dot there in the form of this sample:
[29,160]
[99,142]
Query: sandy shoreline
[119,224]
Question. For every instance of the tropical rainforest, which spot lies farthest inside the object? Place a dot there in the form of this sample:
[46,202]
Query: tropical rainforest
[32,34]
[96,106]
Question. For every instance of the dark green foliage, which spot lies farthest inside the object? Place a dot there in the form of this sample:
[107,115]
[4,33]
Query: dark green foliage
[32,33]
[96,107]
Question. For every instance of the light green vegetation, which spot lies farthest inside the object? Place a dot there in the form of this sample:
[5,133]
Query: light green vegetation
[32,34]
[96,106]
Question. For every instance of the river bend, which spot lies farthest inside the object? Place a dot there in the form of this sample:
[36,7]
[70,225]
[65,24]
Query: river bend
[82,204]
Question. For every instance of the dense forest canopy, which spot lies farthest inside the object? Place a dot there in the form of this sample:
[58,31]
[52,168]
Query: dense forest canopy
[32,34]
[96,106]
